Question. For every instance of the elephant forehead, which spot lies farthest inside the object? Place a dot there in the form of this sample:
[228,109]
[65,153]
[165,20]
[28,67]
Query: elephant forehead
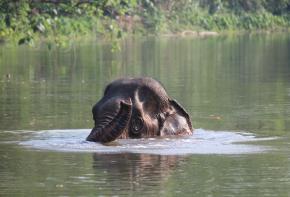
[145,92]
[121,90]
[132,84]
[147,100]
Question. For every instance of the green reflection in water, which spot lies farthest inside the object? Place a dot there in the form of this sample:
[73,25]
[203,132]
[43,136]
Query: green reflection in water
[226,83]
[232,83]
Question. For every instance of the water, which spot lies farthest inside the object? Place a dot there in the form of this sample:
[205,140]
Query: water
[236,89]
[202,142]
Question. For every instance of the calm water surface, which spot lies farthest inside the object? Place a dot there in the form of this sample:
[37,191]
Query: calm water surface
[236,89]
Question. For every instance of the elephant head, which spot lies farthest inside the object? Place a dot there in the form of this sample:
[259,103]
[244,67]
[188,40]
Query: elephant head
[137,108]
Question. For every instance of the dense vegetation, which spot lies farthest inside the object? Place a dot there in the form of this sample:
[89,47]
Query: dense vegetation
[24,21]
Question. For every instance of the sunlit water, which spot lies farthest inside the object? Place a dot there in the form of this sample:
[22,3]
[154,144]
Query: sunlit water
[237,89]
[202,142]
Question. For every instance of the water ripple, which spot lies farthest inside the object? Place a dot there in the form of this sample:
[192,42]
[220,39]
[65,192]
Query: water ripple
[201,142]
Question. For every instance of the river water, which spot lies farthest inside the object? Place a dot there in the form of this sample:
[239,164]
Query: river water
[236,89]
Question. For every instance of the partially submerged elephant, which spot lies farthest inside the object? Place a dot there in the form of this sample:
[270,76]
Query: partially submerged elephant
[137,108]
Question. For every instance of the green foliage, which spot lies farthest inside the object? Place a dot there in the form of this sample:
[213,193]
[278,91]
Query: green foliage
[277,7]
[27,20]
[59,21]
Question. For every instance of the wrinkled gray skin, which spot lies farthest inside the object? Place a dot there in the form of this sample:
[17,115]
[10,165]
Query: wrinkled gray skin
[137,108]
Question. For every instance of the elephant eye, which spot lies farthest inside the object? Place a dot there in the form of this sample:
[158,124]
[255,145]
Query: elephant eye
[137,125]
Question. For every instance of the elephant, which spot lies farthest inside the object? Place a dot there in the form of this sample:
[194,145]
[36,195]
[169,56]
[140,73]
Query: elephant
[137,108]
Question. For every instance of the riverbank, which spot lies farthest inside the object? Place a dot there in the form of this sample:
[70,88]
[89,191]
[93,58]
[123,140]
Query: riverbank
[55,23]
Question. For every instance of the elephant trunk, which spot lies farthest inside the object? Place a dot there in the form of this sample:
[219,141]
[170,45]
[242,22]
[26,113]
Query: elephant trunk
[110,127]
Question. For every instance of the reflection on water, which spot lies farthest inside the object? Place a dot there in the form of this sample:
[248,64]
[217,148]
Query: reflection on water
[140,172]
[202,142]
[239,83]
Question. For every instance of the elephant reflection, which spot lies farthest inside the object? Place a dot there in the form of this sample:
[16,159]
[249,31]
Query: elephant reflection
[137,108]
[131,171]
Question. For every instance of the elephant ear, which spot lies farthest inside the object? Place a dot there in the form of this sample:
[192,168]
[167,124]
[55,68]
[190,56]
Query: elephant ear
[111,126]
[181,111]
